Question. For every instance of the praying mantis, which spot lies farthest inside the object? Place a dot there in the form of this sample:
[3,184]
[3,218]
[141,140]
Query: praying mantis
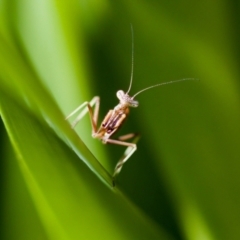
[115,118]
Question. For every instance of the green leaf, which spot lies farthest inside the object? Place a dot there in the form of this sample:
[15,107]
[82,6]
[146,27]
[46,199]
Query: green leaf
[19,79]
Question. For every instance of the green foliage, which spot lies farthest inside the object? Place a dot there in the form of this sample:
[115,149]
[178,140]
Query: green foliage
[183,181]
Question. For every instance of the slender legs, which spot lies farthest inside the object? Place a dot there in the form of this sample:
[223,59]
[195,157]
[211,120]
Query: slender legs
[93,113]
[87,107]
[131,148]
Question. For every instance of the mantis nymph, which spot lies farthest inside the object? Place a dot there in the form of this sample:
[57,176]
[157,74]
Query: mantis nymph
[115,118]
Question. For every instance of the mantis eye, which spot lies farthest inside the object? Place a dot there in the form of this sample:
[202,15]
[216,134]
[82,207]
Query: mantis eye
[120,94]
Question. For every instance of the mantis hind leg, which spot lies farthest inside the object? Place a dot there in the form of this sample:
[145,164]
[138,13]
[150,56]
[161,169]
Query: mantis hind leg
[131,148]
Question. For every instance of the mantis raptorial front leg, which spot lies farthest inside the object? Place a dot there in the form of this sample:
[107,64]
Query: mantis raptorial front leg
[87,107]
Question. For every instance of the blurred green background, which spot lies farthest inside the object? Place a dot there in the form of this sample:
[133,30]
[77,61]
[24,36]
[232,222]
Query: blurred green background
[183,180]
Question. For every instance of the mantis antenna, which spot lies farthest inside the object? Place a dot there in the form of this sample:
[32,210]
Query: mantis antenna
[131,79]
[164,83]
[157,85]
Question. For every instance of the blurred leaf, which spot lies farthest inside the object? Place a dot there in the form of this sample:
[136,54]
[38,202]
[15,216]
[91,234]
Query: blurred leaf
[19,218]
[19,79]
